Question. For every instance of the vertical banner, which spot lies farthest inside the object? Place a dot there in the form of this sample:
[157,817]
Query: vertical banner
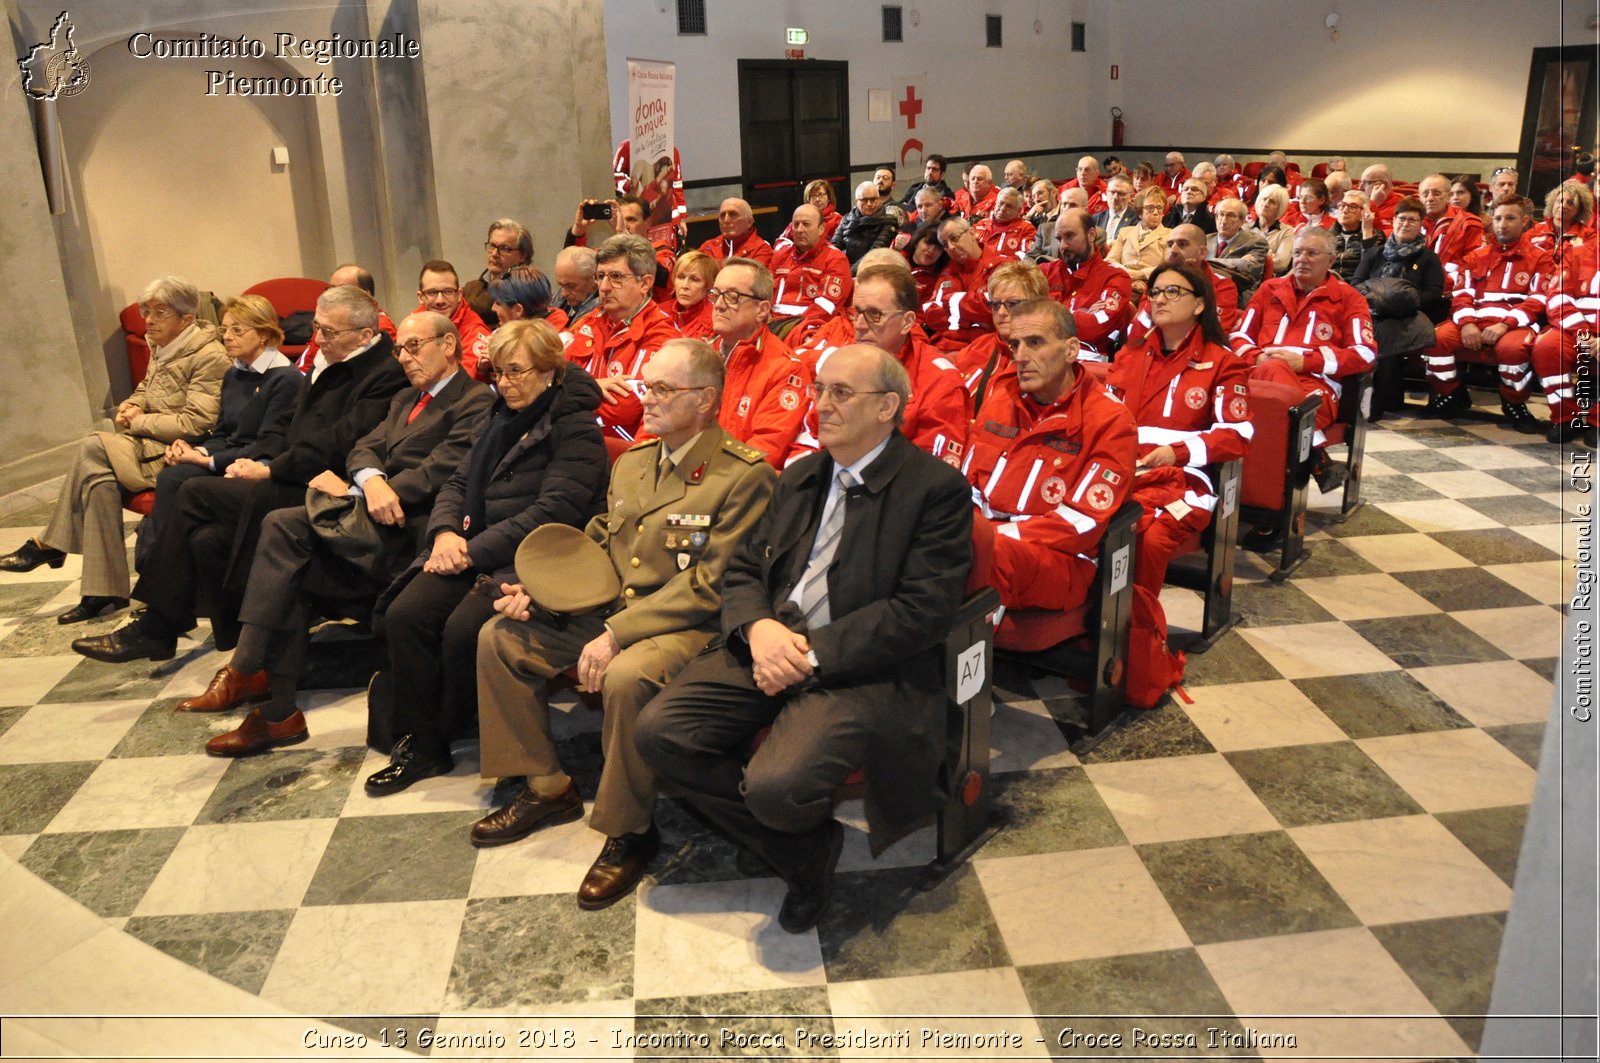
[911,123]
[651,166]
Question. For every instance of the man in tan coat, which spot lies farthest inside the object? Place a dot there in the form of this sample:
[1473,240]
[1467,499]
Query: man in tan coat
[180,398]
[676,507]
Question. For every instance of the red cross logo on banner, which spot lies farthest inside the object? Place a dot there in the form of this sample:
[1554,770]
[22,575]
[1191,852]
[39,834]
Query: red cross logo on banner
[910,107]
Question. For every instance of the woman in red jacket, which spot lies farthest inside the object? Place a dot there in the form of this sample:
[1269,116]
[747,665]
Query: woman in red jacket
[690,310]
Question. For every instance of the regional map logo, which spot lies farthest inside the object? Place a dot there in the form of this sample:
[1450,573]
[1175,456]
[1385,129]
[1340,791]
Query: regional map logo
[54,68]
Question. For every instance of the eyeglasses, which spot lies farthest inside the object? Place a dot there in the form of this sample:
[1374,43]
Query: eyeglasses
[156,313]
[235,331]
[438,293]
[504,249]
[1170,291]
[872,316]
[729,297]
[1309,252]
[1502,169]
[949,239]
[317,326]
[838,394]
[614,277]
[663,391]
[869,199]
[1371,181]
[512,373]
[1008,305]
[411,347]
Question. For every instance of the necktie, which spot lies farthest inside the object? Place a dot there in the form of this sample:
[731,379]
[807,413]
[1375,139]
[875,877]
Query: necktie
[664,468]
[419,407]
[814,581]
[1222,245]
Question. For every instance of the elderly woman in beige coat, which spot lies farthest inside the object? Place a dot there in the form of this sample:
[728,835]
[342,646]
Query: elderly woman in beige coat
[179,398]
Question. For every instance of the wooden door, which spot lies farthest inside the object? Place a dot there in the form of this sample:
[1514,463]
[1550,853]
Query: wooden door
[794,127]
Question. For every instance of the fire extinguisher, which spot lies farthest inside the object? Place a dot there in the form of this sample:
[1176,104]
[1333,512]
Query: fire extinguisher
[1117,127]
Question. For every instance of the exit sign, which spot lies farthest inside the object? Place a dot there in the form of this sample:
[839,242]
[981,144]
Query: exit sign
[794,36]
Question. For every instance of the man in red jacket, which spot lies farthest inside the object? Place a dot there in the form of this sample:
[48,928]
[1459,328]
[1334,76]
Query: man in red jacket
[1378,183]
[812,277]
[884,309]
[628,330]
[764,395]
[1050,459]
[739,238]
[976,200]
[1499,301]
[1088,179]
[1099,294]
[1308,329]
[1451,232]
[1171,178]
[1005,232]
[439,290]
[955,313]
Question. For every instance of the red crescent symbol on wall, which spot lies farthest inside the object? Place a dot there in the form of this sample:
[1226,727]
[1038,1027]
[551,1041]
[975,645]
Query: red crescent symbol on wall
[913,142]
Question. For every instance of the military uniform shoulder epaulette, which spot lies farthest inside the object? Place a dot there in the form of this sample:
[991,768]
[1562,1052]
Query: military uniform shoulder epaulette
[652,441]
[743,451]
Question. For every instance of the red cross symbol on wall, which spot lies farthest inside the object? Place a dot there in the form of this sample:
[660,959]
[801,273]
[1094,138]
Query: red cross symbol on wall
[911,107]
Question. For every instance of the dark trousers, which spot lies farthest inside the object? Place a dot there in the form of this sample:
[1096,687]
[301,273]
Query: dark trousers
[164,514]
[696,733]
[200,567]
[432,631]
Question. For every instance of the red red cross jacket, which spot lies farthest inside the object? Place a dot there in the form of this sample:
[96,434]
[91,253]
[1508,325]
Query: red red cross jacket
[1575,300]
[935,419]
[811,287]
[1502,284]
[750,245]
[1330,325]
[1194,400]
[1048,478]
[987,352]
[605,350]
[1099,295]
[1453,236]
[1096,193]
[974,212]
[1010,240]
[765,395]
[956,313]
[1170,183]
[1574,236]
[694,323]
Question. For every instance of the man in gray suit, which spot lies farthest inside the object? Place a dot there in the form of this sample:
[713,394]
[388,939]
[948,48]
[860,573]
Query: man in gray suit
[347,537]
[1240,251]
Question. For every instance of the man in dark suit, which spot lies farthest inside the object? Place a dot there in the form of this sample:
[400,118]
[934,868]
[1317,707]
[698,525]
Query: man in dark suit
[337,550]
[832,615]
[1119,210]
[200,567]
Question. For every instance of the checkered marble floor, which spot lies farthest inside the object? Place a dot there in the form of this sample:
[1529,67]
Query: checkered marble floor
[1325,827]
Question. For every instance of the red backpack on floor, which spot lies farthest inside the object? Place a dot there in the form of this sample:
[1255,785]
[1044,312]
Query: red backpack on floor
[1153,667]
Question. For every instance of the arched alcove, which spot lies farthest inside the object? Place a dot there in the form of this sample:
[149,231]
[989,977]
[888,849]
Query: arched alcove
[169,179]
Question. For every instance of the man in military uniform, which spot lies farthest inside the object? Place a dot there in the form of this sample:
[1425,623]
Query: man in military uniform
[677,506]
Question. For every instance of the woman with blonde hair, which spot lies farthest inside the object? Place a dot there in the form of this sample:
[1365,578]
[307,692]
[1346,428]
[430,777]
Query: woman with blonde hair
[689,308]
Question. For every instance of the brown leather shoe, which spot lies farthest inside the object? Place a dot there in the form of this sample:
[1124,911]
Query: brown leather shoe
[618,869]
[228,688]
[526,813]
[257,735]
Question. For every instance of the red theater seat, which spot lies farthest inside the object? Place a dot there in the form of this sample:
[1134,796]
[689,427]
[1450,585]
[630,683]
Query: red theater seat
[290,295]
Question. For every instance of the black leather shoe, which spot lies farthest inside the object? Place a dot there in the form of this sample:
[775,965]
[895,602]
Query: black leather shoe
[128,643]
[29,556]
[526,813]
[618,869]
[91,606]
[1517,416]
[1458,401]
[808,899]
[407,766]
[1329,474]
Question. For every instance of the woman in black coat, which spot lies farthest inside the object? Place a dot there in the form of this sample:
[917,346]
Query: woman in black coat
[1403,281]
[538,459]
